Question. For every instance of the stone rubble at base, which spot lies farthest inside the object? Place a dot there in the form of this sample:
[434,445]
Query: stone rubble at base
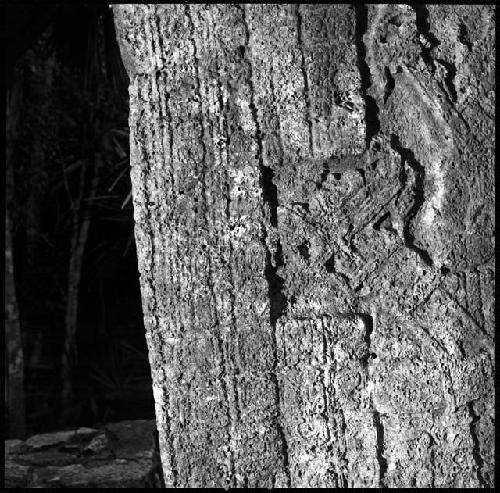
[118,455]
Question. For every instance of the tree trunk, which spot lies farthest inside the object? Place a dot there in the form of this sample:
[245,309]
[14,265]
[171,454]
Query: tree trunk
[14,356]
[81,224]
[14,368]
[39,71]
[313,198]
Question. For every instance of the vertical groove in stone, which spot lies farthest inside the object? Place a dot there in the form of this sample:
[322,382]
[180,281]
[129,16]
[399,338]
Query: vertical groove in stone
[220,344]
[476,450]
[220,134]
[164,157]
[326,384]
[280,298]
[153,311]
[307,97]
[231,291]
[342,473]
[258,139]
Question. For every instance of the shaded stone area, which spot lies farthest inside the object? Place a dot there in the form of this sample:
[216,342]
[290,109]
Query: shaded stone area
[118,455]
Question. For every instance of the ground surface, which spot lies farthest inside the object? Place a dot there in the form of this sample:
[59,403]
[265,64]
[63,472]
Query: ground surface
[119,455]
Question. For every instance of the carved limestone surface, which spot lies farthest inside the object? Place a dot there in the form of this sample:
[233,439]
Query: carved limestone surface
[314,207]
[328,411]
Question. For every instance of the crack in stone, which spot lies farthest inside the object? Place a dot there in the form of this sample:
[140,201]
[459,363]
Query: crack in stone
[476,451]
[275,282]
[307,95]
[423,27]
[390,83]
[371,108]
[367,320]
[462,36]
[368,323]
[379,429]
[449,80]
[408,157]
[432,453]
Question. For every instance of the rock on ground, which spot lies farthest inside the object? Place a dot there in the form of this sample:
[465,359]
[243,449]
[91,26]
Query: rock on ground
[119,455]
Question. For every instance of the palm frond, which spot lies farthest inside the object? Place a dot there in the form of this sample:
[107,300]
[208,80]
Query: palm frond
[127,199]
[119,176]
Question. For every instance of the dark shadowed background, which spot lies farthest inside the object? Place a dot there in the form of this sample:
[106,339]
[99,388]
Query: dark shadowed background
[74,328]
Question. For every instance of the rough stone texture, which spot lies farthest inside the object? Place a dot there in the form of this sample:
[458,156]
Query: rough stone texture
[313,197]
[120,455]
